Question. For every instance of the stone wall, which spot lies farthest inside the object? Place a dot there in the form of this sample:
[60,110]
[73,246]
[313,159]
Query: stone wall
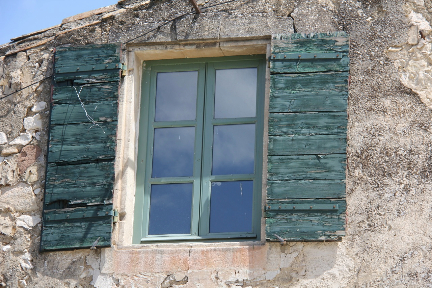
[388,242]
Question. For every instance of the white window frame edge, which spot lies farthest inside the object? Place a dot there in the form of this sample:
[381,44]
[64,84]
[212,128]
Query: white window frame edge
[128,122]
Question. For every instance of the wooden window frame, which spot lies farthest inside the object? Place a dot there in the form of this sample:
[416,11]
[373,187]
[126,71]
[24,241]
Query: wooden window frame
[201,195]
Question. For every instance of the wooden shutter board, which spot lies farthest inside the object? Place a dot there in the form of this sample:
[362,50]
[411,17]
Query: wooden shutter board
[91,93]
[314,42]
[307,123]
[72,234]
[307,167]
[307,137]
[85,183]
[69,56]
[306,145]
[80,170]
[308,82]
[313,101]
[305,189]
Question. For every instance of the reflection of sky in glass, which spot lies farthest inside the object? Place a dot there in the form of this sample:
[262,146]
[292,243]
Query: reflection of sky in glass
[231,207]
[170,209]
[176,94]
[173,152]
[233,149]
[235,93]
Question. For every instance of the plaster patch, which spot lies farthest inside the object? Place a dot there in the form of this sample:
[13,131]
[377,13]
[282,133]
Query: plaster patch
[19,198]
[419,20]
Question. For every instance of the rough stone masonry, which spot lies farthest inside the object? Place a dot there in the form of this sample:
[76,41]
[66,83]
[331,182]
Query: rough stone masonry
[388,239]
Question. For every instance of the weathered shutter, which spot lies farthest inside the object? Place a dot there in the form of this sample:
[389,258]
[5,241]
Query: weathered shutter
[80,170]
[307,137]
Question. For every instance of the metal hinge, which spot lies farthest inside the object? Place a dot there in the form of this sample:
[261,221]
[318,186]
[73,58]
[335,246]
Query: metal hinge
[123,68]
[115,215]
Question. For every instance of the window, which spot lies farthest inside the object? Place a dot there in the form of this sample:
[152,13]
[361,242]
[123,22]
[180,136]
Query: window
[200,149]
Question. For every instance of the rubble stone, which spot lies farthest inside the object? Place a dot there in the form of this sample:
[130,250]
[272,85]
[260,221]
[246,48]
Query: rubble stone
[3,138]
[9,151]
[23,139]
[33,123]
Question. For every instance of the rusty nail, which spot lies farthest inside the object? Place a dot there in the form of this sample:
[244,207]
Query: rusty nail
[294,207]
[284,56]
[310,207]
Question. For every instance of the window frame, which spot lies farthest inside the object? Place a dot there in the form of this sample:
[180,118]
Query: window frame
[145,142]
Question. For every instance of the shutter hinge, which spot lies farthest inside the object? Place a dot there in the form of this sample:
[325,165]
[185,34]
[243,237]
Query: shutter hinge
[123,68]
[115,215]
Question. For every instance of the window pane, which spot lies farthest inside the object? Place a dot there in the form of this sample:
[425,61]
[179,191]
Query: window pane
[231,207]
[170,209]
[233,149]
[235,94]
[173,152]
[176,94]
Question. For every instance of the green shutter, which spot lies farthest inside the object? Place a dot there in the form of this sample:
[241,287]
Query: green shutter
[77,205]
[307,137]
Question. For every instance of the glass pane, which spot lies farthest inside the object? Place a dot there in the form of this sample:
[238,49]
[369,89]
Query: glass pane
[176,94]
[231,207]
[233,149]
[170,209]
[235,94]
[173,152]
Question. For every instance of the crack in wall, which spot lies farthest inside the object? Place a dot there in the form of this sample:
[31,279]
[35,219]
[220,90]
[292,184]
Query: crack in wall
[294,26]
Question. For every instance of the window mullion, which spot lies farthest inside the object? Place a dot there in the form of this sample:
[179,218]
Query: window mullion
[207,149]
[196,200]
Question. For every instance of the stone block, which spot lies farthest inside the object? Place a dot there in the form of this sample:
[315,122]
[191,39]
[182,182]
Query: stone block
[9,151]
[39,106]
[23,139]
[31,175]
[3,138]
[33,123]
[27,157]
[27,221]
[19,198]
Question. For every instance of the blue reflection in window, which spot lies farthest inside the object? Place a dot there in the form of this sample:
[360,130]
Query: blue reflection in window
[170,209]
[235,93]
[233,149]
[176,94]
[173,152]
[231,206]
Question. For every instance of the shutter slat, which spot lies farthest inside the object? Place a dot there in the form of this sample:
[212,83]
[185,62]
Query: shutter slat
[84,183]
[313,101]
[310,144]
[81,153]
[305,189]
[69,144]
[307,137]
[307,123]
[305,167]
[91,93]
[73,113]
